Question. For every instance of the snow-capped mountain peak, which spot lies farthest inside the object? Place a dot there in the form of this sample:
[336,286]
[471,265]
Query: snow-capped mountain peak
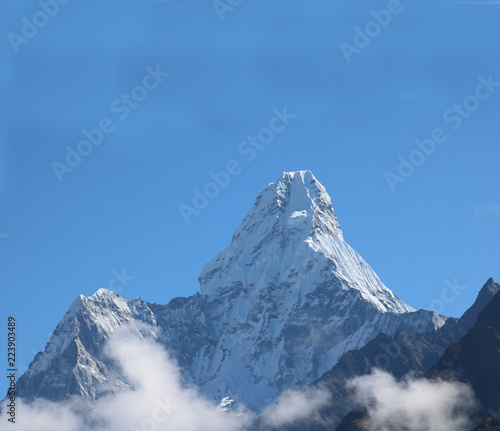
[296,201]
[291,227]
[278,307]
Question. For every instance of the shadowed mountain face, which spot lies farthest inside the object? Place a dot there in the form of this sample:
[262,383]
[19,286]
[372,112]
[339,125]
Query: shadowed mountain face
[468,320]
[490,424]
[398,355]
[475,359]
[278,308]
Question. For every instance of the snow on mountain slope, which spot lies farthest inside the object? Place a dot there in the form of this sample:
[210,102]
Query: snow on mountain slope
[293,222]
[278,307]
[73,361]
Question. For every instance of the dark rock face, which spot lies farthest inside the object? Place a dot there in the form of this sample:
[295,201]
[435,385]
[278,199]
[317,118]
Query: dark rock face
[490,289]
[475,359]
[354,421]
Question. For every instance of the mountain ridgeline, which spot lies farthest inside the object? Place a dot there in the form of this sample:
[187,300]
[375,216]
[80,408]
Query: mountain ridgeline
[277,309]
[474,359]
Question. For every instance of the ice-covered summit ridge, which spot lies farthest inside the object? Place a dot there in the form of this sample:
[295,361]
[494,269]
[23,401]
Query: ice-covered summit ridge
[296,200]
[292,227]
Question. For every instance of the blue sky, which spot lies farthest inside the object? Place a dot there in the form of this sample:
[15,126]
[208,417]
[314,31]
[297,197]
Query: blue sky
[229,71]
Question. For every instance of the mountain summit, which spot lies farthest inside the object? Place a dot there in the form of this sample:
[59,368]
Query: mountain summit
[293,227]
[278,307]
[298,201]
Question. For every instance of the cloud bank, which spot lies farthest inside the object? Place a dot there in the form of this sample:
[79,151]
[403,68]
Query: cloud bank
[414,404]
[159,401]
[294,406]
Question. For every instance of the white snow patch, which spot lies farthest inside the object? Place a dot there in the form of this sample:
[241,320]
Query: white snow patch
[297,214]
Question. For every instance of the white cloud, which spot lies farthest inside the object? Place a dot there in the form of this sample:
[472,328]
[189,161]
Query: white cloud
[414,405]
[293,406]
[160,401]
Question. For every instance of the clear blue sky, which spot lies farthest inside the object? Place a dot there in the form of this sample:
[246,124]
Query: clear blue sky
[119,208]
